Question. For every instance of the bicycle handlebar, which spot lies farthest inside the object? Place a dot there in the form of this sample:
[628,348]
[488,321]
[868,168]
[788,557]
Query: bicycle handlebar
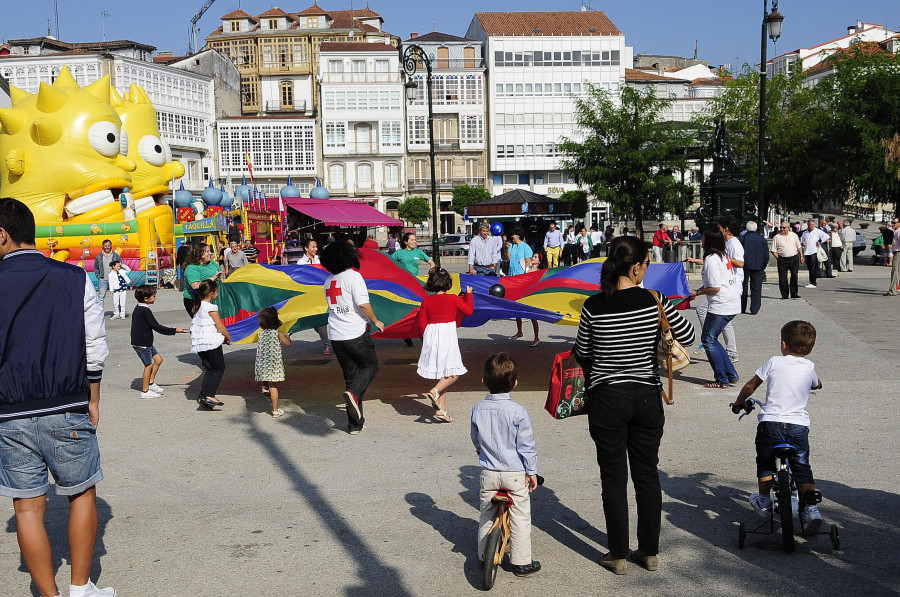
[747,407]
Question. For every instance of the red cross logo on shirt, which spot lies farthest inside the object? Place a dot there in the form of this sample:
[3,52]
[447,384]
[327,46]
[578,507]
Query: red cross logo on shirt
[333,292]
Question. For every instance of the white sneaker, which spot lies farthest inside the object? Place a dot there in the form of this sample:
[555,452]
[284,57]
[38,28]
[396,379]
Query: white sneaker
[91,591]
[812,520]
[810,286]
[150,395]
[762,504]
[157,389]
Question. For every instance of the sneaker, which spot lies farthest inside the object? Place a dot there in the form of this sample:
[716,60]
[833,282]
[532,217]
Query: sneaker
[150,395]
[810,286]
[812,520]
[326,351]
[355,430]
[734,359]
[91,590]
[762,504]
[352,405]
[527,569]
[157,389]
[700,349]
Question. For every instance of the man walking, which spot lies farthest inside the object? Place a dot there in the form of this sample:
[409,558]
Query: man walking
[102,267]
[484,252]
[788,255]
[756,256]
[552,245]
[895,248]
[848,237]
[811,240]
[52,354]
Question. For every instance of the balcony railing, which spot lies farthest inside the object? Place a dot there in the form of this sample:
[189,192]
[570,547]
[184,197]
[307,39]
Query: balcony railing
[298,106]
[329,77]
[446,144]
[443,184]
[370,148]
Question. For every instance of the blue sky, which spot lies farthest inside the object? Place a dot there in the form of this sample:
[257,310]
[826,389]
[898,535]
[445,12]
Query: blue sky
[728,31]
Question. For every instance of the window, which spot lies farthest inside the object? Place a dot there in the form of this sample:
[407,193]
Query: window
[335,134]
[287,94]
[472,174]
[418,130]
[273,23]
[445,169]
[364,176]
[471,129]
[469,56]
[291,147]
[443,56]
[381,66]
[511,179]
[335,66]
[336,176]
[390,133]
[235,26]
[392,176]
[359,66]
[554,178]
[538,178]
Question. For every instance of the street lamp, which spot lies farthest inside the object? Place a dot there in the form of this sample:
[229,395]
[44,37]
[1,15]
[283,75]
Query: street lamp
[771,27]
[410,57]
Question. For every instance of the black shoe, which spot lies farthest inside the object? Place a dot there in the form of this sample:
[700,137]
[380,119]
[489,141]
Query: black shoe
[408,341]
[795,297]
[209,403]
[527,570]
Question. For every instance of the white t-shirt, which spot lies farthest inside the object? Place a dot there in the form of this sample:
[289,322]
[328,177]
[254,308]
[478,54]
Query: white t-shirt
[344,293]
[811,240]
[305,260]
[735,250]
[719,273]
[788,382]
[204,335]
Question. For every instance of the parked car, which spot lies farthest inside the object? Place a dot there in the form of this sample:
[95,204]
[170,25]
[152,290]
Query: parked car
[859,244]
[455,243]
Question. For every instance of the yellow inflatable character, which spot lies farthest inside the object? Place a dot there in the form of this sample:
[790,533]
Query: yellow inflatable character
[73,133]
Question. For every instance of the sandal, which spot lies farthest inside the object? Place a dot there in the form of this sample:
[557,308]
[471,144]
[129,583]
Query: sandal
[277,413]
[516,336]
[443,416]
[433,396]
[716,385]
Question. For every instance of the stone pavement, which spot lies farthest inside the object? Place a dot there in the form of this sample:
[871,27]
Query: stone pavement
[199,503]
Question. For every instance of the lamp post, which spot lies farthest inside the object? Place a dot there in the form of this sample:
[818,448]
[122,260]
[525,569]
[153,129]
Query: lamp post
[771,27]
[410,57]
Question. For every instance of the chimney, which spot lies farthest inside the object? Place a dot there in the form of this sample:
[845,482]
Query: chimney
[413,35]
[164,54]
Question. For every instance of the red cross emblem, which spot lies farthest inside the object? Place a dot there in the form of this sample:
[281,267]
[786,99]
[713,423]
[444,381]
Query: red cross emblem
[333,292]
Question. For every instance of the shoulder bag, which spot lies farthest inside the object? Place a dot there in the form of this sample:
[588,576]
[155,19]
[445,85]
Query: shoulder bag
[566,395]
[670,354]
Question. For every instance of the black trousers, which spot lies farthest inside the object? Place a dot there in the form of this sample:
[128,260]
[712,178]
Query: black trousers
[213,362]
[626,423]
[788,265]
[359,363]
[812,266]
[188,305]
[753,279]
[828,264]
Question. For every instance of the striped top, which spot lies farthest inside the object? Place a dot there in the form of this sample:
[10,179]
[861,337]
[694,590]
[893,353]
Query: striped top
[617,337]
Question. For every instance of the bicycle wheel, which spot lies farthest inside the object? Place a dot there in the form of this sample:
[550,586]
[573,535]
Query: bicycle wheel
[492,557]
[785,510]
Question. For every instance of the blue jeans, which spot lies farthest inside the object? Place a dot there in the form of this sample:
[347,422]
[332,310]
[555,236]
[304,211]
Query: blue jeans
[723,370]
[103,288]
[484,270]
[772,433]
[65,444]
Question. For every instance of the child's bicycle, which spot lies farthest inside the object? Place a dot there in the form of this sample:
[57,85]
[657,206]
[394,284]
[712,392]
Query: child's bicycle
[498,536]
[785,495]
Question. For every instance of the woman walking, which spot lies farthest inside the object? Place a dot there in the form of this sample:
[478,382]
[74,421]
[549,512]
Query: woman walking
[616,347]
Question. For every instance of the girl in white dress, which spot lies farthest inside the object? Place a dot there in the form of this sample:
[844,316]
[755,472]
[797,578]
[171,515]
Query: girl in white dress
[208,333]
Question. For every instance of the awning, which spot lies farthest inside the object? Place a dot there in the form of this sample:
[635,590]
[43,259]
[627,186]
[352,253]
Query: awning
[341,213]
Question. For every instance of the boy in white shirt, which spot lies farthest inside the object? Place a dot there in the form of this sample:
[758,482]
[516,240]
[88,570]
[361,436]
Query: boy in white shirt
[783,418]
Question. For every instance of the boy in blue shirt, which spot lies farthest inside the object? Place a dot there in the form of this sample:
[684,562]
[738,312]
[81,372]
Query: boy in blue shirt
[783,417]
[501,432]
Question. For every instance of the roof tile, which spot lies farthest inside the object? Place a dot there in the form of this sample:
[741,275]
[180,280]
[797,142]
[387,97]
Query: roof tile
[562,23]
[351,46]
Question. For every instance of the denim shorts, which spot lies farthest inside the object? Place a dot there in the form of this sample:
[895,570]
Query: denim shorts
[770,434]
[65,444]
[146,354]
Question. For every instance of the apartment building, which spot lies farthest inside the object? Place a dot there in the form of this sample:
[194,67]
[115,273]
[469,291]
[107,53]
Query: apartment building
[811,56]
[184,101]
[458,102]
[362,124]
[537,62]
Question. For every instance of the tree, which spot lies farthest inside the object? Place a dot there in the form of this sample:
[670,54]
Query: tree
[415,210]
[464,196]
[627,155]
[578,201]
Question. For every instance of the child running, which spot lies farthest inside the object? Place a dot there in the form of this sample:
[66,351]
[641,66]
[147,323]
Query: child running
[143,324]
[119,283]
[504,440]
[440,358]
[783,418]
[208,333]
[269,364]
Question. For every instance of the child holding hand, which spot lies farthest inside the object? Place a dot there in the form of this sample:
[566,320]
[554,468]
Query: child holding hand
[143,324]
[440,358]
[269,362]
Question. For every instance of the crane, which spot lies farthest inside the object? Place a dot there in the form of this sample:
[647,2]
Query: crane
[192,41]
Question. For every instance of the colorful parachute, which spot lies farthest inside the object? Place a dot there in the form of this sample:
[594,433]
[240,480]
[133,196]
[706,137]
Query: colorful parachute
[553,296]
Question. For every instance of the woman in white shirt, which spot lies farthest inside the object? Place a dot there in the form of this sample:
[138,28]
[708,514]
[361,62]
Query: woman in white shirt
[349,314]
[720,288]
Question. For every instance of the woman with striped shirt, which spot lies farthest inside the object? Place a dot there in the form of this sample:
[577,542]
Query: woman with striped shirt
[616,347]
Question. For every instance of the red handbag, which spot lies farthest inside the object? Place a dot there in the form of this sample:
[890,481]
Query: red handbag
[566,396]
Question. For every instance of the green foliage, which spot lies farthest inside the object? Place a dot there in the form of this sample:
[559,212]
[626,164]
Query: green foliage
[464,195]
[578,200]
[624,154]
[415,210]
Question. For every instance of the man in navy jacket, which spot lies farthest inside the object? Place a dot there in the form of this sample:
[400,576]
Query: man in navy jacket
[756,257]
[52,352]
